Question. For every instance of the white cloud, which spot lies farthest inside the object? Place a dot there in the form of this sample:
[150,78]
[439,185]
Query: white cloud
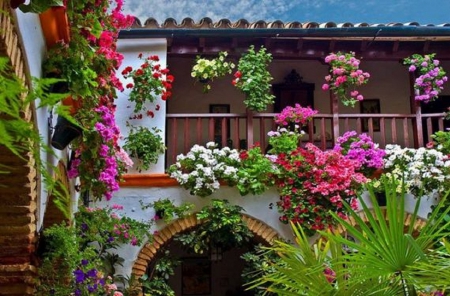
[370,11]
[252,10]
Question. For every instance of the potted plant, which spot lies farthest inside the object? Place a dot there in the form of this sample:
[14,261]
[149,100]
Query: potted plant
[145,144]
[345,74]
[201,169]
[150,80]
[166,209]
[253,79]
[88,63]
[222,227]
[314,183]
[256,172]
[431,76]
[361,149]
[205,70]
[425,171]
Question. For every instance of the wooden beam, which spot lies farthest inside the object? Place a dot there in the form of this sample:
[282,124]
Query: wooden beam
[396,46]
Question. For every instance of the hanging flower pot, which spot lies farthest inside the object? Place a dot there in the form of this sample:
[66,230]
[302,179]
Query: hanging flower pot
[72,103]
[65,132]
[55,25]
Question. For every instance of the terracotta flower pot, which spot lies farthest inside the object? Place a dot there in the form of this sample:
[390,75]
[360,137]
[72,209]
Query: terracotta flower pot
[55,25]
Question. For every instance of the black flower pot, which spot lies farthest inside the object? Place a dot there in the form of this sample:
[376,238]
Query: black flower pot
[160,213]
[381,198]
[65,132]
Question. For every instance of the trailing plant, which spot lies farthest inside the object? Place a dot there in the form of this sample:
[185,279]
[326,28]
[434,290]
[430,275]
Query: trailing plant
[166,209]
[205,70]
[88,63]
[222,227]
[150,81]
[144,144]
[78,258]
[201,169]
[253,79]
[155,282]
[345,74]
[431,78]
[255,173]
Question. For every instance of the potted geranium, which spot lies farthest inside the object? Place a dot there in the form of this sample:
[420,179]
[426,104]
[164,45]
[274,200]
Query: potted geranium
[344,76]
[424,171]
[201,169]
[253,79]
[205,70]
[431,76]
[145,144]
[313,183]
[361,149]
[150,80]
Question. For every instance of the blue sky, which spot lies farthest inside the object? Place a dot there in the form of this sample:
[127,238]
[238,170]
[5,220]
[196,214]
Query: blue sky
[339,11]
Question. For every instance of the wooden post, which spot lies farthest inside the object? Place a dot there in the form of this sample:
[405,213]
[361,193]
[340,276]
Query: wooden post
[249,129]
[415,109]
[334,105]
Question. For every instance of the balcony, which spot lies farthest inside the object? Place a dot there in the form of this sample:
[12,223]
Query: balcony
[243,130]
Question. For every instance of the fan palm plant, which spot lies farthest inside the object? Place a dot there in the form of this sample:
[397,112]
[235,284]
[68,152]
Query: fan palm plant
[380,256]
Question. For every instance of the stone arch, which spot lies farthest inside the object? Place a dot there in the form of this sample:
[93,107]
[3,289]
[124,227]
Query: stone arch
[260,229]
[53,215]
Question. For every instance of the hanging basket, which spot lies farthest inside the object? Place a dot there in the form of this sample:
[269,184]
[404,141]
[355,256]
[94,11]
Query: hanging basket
[55,25]
[65,132]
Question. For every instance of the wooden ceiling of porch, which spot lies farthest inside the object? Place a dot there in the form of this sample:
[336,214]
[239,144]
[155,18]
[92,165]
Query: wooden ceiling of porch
[304,48]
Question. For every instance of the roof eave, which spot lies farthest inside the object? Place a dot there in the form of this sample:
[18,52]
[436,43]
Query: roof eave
[422,33]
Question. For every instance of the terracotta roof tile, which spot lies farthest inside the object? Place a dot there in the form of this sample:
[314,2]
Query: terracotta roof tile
[207,23]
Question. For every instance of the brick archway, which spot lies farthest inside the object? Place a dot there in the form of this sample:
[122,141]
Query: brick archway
[149,251]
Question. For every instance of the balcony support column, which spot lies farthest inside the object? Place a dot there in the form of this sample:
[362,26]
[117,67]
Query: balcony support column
[249,128]
[334,106]
[417,110]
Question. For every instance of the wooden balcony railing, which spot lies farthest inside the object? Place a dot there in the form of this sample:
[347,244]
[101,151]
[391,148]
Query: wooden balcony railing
[241,131]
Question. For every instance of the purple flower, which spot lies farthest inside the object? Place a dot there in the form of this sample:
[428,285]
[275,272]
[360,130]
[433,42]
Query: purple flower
[77,292]
[79,276]
[92,273]
[84,262]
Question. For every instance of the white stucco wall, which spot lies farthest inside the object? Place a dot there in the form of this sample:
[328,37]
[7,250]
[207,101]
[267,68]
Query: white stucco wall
[32,38]
[131,48]
[130,198]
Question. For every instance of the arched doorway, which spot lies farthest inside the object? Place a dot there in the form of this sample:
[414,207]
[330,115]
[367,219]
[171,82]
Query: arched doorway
[216,273]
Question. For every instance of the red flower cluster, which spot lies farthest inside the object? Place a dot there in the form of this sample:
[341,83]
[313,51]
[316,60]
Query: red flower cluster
[149,81]
[237,76]
[312,182]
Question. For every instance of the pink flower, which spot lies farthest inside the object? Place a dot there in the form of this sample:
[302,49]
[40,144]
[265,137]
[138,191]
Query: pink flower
[325,86]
